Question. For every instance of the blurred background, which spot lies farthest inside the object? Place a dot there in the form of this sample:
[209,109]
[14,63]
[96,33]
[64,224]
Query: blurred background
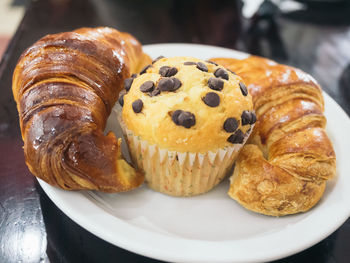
[11,13]
[302,33]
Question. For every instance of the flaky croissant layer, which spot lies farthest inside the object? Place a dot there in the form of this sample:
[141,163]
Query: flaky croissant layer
[65,86]
[288,159]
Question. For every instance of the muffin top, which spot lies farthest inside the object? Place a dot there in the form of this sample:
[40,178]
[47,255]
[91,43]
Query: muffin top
[186,104]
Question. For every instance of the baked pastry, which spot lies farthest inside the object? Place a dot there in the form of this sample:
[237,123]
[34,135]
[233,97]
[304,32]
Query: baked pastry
[185,120]
[65,86]
[284,168]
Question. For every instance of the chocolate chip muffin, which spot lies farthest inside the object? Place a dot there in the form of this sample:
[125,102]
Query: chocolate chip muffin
[185,121]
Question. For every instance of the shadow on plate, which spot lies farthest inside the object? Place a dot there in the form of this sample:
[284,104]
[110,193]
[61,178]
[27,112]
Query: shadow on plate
[68,242]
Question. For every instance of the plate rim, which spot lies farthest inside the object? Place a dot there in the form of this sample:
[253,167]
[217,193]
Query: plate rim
[124,241]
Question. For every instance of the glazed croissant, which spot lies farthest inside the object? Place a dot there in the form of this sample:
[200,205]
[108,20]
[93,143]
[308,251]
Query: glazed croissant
[65,86]
[284,168]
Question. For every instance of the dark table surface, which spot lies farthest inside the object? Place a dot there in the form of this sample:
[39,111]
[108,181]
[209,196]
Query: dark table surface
[316,39]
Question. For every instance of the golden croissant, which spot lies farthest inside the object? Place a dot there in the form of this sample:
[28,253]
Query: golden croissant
[65,86]
[285,165]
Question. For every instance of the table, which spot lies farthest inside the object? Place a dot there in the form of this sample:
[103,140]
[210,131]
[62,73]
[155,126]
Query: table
[32,228]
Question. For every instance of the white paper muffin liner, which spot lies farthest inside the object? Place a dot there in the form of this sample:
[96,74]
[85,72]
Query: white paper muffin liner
[179,173]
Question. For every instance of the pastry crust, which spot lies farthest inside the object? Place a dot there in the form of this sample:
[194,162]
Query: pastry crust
[65,86]
[284,167]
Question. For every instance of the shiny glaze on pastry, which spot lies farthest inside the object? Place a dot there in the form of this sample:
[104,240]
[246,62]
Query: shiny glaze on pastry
[65,86]
[284,167]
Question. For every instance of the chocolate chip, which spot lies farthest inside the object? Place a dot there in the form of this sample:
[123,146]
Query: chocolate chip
[128,83]
[121,100]
[216,84]
[212,62]
[158,58]
[221,73]
[169,84]
[175,116]
[186,119]
[237,137]
[253,118]
[248,117]
[177,83]
[137,106]
[166,71]
[183,118]
[171,72]
[147,86]
[145,69]
[201,66]
[155,92]
[133,75]
[211,99]
[230,125]
[243,89]
[166,84]
[190,63]
[121,97]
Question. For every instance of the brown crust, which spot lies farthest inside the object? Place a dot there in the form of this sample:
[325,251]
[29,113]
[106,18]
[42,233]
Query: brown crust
[299,157]
[65,86]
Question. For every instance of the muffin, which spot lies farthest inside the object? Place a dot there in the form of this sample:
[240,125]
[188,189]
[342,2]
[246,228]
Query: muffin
[185,121]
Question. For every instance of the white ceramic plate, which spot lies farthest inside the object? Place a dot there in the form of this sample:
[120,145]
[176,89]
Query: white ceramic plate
[211,227]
